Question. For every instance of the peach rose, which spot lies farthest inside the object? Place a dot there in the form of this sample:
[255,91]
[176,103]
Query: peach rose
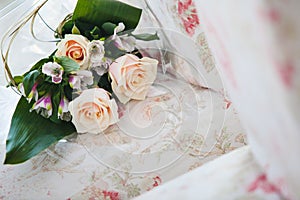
[74,47]
[132,77]
[93,111]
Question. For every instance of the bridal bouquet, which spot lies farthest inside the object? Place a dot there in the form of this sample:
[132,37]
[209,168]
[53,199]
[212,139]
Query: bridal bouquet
[95,67]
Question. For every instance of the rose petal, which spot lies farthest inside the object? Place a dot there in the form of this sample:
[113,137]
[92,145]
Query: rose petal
[74,46]
[93,111]
[132,77]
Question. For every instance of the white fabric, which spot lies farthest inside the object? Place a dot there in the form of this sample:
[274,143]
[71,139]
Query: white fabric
[226,178]
[256,45]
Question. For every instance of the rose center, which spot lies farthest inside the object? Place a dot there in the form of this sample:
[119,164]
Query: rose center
[91,110]
[76,55]
[76,52]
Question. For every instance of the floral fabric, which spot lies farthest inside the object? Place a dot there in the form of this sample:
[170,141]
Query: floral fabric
[228,177]
[188,108]
[184,35]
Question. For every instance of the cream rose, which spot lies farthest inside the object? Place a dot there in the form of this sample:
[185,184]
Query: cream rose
[132,77]
[74,47]
[93,111]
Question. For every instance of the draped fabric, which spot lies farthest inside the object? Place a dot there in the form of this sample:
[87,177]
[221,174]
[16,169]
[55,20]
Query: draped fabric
[256,45]
[256,48]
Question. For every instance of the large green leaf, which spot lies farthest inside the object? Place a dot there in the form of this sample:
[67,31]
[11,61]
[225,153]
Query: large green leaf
[98,12]
[31,133]
[29,81]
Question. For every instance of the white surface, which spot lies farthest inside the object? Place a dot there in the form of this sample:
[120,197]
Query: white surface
[226,178]
[4,3]
[256,45]
[7,5]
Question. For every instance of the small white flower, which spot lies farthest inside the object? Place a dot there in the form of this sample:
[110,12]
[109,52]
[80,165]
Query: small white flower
[81,79]
[103,67]
[125,42]
[119,28]
[96,52]
[54,70]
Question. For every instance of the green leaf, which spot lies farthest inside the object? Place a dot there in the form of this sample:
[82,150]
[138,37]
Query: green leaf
[75,30]
[98,12]
[68,64]
[31,133]
[45,87]
[105,83]
[146,36]
[111,51]
[109,28]
[29,81]
[95,33]
[18,79]
[85,29]
[68,91]
[55,104]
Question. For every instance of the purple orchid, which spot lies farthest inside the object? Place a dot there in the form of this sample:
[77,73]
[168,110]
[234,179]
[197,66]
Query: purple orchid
[74,82]
[43,106]
[54,70]
[63,106]
[33,93]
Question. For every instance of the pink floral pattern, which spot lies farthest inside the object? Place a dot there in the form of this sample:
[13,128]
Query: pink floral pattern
[188,15]
[262,183]
[286,72]
[111,194]
[156,181]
